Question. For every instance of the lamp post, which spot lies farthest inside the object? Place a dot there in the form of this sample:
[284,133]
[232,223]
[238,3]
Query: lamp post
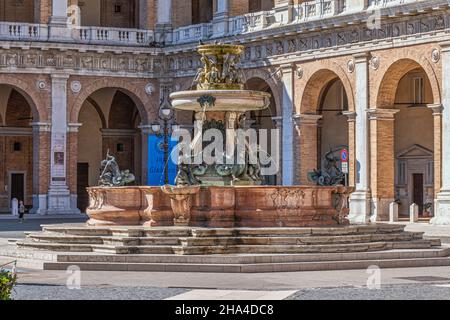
[165,115]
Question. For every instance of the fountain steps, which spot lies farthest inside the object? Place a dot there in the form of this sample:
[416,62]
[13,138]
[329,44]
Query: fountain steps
[231,249]
[44,238]
[234,263]
[81,230]
[192,249]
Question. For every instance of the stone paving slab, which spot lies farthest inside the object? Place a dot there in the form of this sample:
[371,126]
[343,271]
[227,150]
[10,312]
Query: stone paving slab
[232,295]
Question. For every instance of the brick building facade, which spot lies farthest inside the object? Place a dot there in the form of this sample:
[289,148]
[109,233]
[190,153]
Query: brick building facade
[80,77]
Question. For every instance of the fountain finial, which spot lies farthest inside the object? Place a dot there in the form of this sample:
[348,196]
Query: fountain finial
[219,70]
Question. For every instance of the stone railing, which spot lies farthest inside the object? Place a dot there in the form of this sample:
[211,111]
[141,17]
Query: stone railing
[314,10]
[388,3]
[112,36]
[193,33]
[90,35]
[23,31]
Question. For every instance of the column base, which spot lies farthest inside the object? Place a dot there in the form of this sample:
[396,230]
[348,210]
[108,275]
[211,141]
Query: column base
[163,33]
[220,25]
[61,202]
[380,209]
[442,211]
[39,204]
[359,207]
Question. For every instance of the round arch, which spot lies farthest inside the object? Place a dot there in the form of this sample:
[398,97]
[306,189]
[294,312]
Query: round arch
[30,95]
[386,88]
[139,97]
[267,78]
[317,83]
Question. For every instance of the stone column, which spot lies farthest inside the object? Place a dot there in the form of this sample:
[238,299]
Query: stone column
[59,198]
[307,128]
[360,199]
[437,124]
[351,146]
[382,162]
[59,30]
[41,169]
[163,30]
[146,130]
[72,161]
[220,19]
[287,150]
[442,212]
[59,12]
[278,124]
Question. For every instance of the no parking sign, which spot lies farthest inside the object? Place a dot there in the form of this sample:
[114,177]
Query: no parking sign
[344,161]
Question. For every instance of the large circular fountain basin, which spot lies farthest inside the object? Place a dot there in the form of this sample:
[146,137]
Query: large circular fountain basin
[225,100]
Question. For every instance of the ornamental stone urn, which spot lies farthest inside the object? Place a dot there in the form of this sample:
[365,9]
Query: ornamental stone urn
[181,202]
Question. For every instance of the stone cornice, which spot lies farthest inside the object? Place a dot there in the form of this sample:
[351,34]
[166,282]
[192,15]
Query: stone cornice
[382,114]
[437,109]
[307,119]
[351,115]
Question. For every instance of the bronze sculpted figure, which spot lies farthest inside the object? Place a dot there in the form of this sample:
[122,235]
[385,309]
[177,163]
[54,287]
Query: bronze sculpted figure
[111,176]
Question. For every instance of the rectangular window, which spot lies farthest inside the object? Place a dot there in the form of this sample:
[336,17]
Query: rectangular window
[117,8]
[401,178]
[418,90]
[120,147]
[430,173]
[17,146]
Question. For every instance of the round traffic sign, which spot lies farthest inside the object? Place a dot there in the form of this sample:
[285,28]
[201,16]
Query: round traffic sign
[344,155]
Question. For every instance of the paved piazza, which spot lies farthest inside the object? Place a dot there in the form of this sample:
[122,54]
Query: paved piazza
[347,103]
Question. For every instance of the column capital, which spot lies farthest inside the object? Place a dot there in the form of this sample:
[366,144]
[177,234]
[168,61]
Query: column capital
[445,46]
[361,57]
[277,121]
[287,67]
[42,126]
[73,127]
[60,76]
[382,114]
[436,108]
[351,115]
[307,119]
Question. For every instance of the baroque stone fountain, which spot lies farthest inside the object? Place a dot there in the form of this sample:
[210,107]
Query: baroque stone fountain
[224,192]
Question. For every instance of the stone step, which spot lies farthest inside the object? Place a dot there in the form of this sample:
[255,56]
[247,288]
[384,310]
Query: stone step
[297,232]
[252,268]
[81,230]
[57,247]
[133,249]
[270,240]
[334,248]
[99,240]
[254,258]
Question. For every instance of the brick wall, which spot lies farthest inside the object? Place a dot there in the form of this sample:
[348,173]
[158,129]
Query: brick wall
[17,11]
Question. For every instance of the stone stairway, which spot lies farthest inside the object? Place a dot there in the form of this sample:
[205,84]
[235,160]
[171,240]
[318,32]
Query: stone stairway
[229,250]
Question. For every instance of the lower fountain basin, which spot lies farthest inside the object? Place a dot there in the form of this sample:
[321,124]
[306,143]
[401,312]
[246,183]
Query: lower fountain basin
[225,207]
[224,100]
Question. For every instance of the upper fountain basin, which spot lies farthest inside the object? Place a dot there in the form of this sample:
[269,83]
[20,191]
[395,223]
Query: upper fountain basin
[220,100]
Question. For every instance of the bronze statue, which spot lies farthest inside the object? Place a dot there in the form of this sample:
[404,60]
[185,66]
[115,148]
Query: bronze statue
[111,175]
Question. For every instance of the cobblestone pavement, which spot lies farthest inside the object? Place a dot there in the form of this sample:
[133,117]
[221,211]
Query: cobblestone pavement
[49,292]
[397,292]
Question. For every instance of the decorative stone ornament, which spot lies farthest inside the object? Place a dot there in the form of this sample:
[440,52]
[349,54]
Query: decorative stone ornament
[351,66]
[75,86]
[435,55]
[375,63]
[41,85]
[299,72]
[149,89]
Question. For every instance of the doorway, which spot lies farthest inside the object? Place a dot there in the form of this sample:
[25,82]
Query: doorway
[17,187]
[82,184]
[418,191]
